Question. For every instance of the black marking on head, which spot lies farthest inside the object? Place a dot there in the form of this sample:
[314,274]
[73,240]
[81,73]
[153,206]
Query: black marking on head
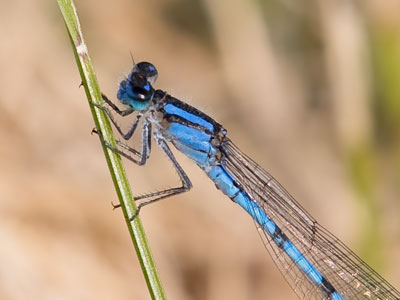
[145,70]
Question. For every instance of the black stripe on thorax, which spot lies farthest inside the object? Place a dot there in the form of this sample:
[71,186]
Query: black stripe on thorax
[190,109]
[178,119]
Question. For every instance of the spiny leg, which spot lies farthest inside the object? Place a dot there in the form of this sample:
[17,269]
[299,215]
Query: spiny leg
[108,145]
[145,153]
[115,108]
[146,146]
[186,184]
[131,131]
[123,113]
[126,112]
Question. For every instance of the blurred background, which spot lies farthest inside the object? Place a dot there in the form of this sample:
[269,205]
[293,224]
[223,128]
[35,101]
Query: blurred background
[310,90]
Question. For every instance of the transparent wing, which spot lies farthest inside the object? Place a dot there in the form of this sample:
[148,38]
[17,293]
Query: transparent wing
[350,275]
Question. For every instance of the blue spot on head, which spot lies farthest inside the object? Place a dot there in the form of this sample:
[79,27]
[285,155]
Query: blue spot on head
[147,87]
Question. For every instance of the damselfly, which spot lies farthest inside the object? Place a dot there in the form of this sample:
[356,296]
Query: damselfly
[316,264]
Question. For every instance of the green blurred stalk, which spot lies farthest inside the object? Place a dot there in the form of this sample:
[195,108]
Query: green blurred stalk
[117,171]
[385,44]
[385,48]
[362,164]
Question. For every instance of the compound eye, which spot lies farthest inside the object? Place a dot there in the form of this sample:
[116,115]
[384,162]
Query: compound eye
[148,70]
[142,92]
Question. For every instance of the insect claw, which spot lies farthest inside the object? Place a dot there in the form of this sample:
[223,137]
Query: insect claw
[115,206]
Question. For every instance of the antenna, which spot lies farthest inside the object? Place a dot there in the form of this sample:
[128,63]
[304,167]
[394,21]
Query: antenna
[133,60]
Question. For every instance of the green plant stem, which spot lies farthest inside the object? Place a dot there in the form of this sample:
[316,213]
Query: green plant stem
[89,81]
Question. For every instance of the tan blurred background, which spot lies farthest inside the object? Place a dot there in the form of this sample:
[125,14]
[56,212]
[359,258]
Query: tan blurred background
[310,90]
